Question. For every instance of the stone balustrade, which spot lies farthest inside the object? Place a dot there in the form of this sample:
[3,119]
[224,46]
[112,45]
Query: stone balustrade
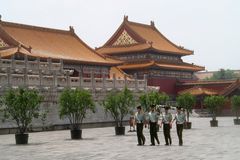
[36,74]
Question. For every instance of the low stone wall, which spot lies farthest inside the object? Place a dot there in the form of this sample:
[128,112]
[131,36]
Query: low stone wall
[53,122]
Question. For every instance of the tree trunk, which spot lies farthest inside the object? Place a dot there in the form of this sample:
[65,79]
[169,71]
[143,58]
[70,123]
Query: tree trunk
[237,115]
[214,116]
[187,115]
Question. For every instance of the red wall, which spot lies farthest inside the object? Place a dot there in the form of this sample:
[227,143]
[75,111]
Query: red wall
[167,85]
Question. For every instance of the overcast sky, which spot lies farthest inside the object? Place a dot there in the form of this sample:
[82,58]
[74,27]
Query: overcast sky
[209,27]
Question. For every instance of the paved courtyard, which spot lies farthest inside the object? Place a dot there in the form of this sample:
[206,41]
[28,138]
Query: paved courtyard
[201,142]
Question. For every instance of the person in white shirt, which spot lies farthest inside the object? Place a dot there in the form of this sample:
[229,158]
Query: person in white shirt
[167,123]
[180,119]
[140,119]
[153,119]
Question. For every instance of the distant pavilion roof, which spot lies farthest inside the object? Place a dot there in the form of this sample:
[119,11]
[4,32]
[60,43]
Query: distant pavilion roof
[228,90]
[49,43]
[197,91]
[142,37]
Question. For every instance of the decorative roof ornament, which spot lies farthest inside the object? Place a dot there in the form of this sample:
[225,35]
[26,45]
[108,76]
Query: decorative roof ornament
[152,23]
[3,44]
[71,29]
[125,18]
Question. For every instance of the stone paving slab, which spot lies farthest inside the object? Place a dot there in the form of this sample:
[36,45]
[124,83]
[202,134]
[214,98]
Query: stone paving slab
[202,142]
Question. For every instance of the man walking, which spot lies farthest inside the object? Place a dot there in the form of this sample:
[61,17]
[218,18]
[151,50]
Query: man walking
[166,121]
[180,120]
[153,119]
[140,118]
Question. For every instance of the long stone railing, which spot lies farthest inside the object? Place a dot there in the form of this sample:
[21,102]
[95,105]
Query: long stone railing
[45,75]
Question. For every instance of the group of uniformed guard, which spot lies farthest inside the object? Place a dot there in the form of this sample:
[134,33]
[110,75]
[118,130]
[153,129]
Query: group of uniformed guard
[152,118]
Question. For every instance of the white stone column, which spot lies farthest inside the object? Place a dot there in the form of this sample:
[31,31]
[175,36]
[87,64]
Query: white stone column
[13,62]
[38,63]
[125,80]
[68,79]
[104,81]
[61,66]
[9,77]
[25,77]
[114,81]
[136,82]
[145,82]
[80,80]
[93,81]
[40,79]
[49,65]
[26,61]
[55,81]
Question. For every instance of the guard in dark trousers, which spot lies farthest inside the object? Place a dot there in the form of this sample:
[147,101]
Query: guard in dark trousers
[140,118]
[180,118]
[167,123]
[153,119]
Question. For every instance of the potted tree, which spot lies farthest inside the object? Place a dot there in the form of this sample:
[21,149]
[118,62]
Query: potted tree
[152,98]
[119,104]
[74,105]
[21,105]
[214,103]
[235,101]
[186,101]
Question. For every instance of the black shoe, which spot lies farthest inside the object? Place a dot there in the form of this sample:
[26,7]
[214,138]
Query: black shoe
[139,144]
[144,141]
[152,144]
[166,144]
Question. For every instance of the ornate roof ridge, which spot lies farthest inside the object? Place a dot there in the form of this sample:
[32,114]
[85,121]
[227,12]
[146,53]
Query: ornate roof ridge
[33,27]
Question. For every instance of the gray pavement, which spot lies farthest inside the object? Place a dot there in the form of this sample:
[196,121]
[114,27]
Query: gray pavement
[201,142]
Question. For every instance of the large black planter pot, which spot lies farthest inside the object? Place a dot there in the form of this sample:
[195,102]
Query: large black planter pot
[214,123]
[120,130]
[21,138]
[236,121]
[187,125]
[76,134]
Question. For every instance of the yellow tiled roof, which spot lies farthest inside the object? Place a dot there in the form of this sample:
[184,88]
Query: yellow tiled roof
[53,43]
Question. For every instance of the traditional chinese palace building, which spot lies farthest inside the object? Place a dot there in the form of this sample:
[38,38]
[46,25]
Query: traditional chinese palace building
[18,41]
[135,50]
[144,50]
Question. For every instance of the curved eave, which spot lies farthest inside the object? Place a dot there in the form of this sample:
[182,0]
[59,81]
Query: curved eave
[135,48]
[165,66]
[11,51]
[123,49]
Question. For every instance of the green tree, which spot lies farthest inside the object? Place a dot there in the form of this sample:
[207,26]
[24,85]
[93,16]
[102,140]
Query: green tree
[119,104]
[214,103]
[152,98]
[223,74]
[186,101]
[21,105]
[236,105]
[74,105]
